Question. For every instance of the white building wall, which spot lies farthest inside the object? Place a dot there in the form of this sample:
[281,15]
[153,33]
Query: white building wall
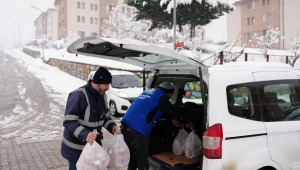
[234,25]
[290,25]
[52,24]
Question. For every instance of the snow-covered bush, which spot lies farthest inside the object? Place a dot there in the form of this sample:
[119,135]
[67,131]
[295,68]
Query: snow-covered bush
[265,42]
[58,44]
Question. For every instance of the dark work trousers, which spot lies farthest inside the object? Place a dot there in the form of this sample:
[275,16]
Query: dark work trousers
[138,146]
[72,165]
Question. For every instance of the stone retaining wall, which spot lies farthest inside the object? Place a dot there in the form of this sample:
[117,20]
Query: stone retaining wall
[32,53]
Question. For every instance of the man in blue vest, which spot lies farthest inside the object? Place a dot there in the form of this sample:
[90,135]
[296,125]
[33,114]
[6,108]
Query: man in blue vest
[142,116]
[86,111]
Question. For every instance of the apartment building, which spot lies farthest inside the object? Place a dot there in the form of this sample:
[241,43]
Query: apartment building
[255,16]
[86,17]
[46,24]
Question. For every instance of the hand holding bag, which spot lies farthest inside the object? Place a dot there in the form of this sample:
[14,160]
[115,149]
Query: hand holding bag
[93,157]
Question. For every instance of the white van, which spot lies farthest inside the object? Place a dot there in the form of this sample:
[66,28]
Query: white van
[247,114]
[125,87]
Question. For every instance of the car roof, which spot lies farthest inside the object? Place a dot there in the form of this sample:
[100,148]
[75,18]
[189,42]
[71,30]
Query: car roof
[146,55]
[249,66]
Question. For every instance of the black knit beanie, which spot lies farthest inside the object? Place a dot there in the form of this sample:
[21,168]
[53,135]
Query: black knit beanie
[102,76]
[166,87]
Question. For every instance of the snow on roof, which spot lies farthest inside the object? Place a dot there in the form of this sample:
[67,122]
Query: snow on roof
[234,66]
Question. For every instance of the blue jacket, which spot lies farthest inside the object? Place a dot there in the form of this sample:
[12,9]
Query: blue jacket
[85,111]
[147,108]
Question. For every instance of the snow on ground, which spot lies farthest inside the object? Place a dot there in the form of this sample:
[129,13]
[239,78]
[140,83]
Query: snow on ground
[31,121]
[52,78]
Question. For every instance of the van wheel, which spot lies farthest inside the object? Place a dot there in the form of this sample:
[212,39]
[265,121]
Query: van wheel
[113,109]
[267,168]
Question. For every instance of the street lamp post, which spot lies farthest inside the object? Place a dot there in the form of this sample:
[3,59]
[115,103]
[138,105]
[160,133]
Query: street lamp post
[14,37]
[174,23]
[19,34]
[42,28]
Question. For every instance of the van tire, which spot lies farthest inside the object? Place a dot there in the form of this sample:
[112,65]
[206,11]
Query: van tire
[113,109]
[267,168]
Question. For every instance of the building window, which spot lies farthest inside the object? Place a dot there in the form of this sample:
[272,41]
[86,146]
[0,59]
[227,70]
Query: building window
[63,23]
[91,20]
[83,5]
[269,16]
[253,4]
[96,7]
[248,21]
[93,34]
[105,21]
[110,7]
[91,6]
[265,32]
[123,9]
[63,10]
[253,20]
[264,18]
[59,25]
[248,36]
[96,20]
[129,12]
[264,2]
[248,5]
[81,34]
[78,4]
[269,1]
[78,18]
[83,19]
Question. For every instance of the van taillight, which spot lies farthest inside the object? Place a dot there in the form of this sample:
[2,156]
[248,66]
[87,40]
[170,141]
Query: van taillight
[212,142]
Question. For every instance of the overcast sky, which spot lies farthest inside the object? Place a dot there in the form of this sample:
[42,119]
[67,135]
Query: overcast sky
[22,12]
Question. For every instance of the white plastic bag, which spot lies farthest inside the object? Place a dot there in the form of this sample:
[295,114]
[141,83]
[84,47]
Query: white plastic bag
[118,152]
[178,143]
[192,146]
[93,157]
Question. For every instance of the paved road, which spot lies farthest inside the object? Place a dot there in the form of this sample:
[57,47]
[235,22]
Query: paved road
[30,121]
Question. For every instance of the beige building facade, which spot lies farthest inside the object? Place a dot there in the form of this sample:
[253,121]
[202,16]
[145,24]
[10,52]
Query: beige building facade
[46,24]
[252,17]
[86,17]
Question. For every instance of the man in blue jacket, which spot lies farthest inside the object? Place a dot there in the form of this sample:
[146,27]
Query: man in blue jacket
[142,116]
[86,111]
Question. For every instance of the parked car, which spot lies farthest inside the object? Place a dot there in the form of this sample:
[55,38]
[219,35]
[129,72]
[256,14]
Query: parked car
[125,87]
[247,114]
